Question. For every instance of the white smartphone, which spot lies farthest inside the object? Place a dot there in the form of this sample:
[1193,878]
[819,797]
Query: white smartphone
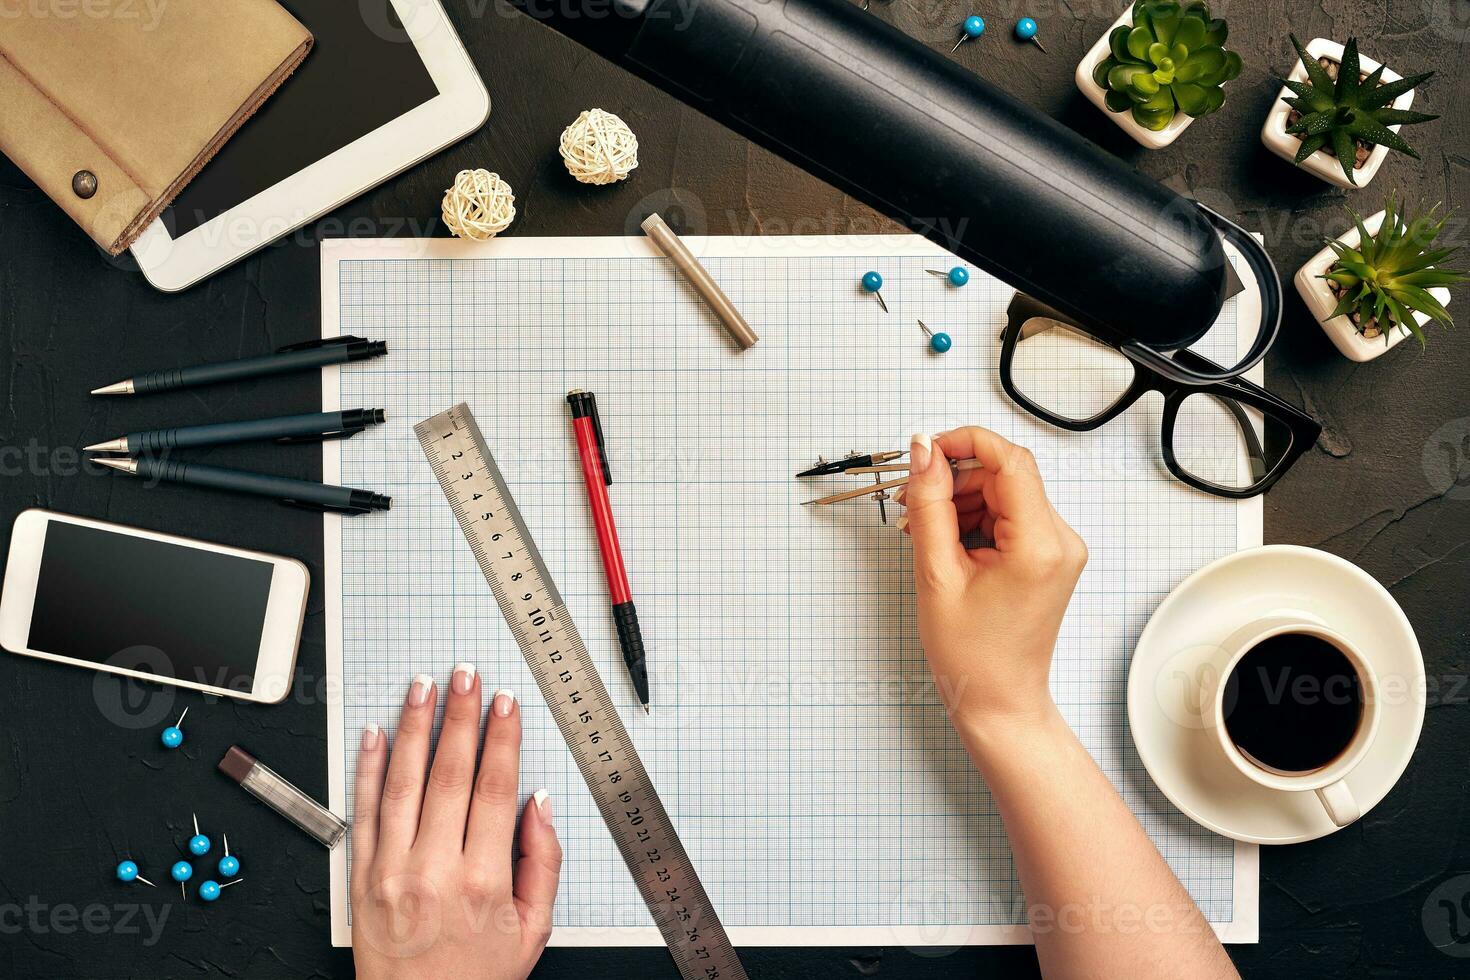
[153,606]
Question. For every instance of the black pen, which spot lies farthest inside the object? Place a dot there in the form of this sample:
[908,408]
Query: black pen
[296,493]
[296,357]
[316,427]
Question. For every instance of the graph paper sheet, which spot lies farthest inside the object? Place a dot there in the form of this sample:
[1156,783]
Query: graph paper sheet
[797,739]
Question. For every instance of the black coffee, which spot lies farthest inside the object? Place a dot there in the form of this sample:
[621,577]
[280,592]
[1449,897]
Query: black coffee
[1293,703]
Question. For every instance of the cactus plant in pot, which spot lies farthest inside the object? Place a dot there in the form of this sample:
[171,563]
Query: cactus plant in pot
[1381,281]
[1339,113]
[1161,66]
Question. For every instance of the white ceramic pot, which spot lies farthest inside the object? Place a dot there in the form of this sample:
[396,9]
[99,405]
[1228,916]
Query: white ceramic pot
[1322,163]
[1321,300]
[1154,140]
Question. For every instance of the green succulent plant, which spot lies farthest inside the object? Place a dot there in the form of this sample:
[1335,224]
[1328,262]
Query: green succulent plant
[1386,279]
[1338,114]
[1172,60]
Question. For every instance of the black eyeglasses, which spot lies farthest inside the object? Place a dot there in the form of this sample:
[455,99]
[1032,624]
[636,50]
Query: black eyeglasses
[1227,437]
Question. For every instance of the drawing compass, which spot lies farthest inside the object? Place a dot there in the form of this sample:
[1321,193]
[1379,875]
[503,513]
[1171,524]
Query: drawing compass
[870,464]
[852,460]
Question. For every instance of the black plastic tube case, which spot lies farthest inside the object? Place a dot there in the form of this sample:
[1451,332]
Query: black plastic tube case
[887,120]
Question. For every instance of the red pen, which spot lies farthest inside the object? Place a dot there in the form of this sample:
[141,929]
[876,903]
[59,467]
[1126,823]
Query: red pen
[598,476]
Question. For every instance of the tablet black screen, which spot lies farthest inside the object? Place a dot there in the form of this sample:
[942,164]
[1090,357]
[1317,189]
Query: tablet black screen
[362,73]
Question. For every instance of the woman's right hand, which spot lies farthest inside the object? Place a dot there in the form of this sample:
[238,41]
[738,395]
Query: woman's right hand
[988,617]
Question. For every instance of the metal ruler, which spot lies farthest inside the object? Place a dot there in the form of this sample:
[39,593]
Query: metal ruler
[589,722]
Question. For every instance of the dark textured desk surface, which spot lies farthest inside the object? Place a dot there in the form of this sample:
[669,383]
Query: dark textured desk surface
[78,790]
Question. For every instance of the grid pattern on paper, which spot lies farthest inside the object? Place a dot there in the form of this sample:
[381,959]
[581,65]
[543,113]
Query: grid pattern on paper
[797,739]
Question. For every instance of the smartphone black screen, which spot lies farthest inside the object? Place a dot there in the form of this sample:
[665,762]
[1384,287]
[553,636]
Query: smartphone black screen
[148,605]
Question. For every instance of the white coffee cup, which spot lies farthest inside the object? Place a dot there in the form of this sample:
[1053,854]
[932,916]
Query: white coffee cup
[1327,781]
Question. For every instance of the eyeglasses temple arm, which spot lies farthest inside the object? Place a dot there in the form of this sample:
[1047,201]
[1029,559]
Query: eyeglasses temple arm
[1268,284]
[1252,443]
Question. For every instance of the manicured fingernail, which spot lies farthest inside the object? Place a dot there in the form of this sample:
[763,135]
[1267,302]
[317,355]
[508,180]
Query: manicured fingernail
[418,691]
[370,735]
[463,678]
[902,523]
[542,800]
[919,448]
[504,701]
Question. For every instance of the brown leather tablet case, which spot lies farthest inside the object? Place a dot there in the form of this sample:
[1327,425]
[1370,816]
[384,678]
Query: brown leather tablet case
[112,108]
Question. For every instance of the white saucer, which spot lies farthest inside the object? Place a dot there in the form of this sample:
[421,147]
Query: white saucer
[1164,714]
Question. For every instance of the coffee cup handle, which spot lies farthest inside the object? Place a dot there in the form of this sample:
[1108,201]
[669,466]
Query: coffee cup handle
[1338,801]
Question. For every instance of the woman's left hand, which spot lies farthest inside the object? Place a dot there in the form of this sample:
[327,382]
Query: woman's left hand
[433,892]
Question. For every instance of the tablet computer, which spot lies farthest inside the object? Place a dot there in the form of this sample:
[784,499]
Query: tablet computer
[387,84]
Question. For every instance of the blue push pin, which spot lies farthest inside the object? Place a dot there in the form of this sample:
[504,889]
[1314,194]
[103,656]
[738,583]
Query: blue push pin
[938,342]
[209,890]
[872,282]
[229,866]
[198,844]
[1026,31]
[181,872]
[957,276]
[970,28]
[128,871]
[173,735]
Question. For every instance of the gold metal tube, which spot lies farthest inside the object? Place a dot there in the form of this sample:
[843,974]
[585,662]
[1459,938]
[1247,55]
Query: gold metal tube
[668,243]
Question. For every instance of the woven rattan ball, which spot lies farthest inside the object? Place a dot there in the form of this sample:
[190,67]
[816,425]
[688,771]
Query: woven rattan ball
[479,206]
[599,148]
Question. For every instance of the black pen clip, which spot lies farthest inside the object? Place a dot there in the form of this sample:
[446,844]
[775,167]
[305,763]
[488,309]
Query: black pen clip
[321,342]
[584,405]
[324,509]
[322,437]
[601,444]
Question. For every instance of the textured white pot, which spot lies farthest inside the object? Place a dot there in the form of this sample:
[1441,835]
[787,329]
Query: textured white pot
[1098,95]
[1322,301]
[1322,163]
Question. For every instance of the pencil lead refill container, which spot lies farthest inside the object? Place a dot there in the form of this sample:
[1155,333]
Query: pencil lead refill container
[270,788]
